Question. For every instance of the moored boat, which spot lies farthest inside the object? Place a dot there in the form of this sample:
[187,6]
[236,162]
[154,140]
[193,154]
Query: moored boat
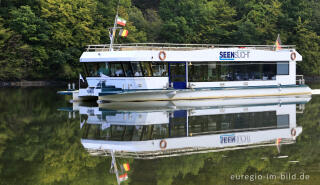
[162,71]
[152,72]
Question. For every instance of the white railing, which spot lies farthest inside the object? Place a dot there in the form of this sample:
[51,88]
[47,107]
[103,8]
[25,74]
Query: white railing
[173,46]
[300,80]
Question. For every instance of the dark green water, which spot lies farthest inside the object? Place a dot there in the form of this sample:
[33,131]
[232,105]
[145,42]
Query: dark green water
[41,145]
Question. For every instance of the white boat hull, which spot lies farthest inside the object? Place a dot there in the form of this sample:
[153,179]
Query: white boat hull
[191,94]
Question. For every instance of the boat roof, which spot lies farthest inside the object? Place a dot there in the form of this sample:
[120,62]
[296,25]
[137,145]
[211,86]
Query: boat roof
[150,149]
[187,52]
[174,46]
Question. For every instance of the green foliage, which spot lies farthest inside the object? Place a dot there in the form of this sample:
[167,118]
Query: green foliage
[14,54]
[40,39]
[26,23]
[308,43]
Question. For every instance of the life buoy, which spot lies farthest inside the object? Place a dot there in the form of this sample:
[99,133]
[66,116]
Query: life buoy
[163,144]
[162,55]
[293,132]
[293,56]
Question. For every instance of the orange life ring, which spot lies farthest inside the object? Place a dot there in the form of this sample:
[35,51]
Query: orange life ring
[162,55]
[163,144]
[293,132]
[293,56]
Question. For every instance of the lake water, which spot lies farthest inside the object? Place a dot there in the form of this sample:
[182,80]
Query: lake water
[44,139]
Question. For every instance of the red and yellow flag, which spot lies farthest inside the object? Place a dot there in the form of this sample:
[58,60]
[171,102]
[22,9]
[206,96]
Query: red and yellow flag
[278,43]
[126,167]
[123,33]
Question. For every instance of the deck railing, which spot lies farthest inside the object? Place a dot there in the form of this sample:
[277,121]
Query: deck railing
[172,46]
[300,80]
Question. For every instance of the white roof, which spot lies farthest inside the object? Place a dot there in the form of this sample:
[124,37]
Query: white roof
[200,141]
[190,54]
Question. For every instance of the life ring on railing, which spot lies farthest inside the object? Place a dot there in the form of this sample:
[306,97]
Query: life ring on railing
[162,55]
[293,56]
[293,132]
[163,144]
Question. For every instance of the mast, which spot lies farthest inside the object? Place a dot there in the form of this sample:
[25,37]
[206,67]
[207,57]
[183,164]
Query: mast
[113,29]
[114,166]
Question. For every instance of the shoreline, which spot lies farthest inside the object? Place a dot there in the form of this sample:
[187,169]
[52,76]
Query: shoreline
[35,83]
[312,79]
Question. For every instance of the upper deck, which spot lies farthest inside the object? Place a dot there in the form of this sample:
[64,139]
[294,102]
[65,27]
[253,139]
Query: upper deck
[187,52]
[177,47]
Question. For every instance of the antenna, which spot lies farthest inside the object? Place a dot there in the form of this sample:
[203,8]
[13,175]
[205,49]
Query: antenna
[113,30]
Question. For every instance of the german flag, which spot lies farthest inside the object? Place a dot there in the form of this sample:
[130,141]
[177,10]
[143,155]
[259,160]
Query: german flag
[126,167]
[123,33]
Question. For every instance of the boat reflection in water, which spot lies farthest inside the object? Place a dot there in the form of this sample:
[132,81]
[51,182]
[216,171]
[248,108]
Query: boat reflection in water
[148,130]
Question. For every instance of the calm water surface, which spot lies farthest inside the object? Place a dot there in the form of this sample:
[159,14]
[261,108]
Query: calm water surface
[46,140]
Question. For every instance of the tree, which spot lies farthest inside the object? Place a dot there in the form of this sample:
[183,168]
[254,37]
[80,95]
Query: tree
[308,44]
[191,21]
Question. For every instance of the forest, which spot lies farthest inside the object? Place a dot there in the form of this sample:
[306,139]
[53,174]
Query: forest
[43,39]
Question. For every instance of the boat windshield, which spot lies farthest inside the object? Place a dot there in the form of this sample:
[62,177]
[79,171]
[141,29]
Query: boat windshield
[127,69]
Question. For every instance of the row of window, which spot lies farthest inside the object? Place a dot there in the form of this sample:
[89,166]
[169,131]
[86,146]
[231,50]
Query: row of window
[196,124]
[128,69]
[230,71]
[197,71]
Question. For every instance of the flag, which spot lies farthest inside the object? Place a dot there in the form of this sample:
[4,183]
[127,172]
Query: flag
[123,177]
[278,43]
[123,33]
[81,78]
[126,167]
[112,33]
[278,141]
[278,144]
[121,21]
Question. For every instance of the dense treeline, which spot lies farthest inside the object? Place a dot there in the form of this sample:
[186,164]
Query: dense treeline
[43,39]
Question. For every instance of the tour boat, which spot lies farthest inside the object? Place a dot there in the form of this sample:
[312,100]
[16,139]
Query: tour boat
[152,72]
[190,126]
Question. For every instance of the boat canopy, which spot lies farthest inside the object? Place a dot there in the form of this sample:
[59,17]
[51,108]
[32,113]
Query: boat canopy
[188,53]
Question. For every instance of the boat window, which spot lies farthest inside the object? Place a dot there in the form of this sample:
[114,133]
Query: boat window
[283,68]
[283,120]
[136,69]
[103,69]
[230,71]
[159,69]
[127,69]
[177,127]
[146,68]
[234,121]
[116,70]
[95,68]
[178,72]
